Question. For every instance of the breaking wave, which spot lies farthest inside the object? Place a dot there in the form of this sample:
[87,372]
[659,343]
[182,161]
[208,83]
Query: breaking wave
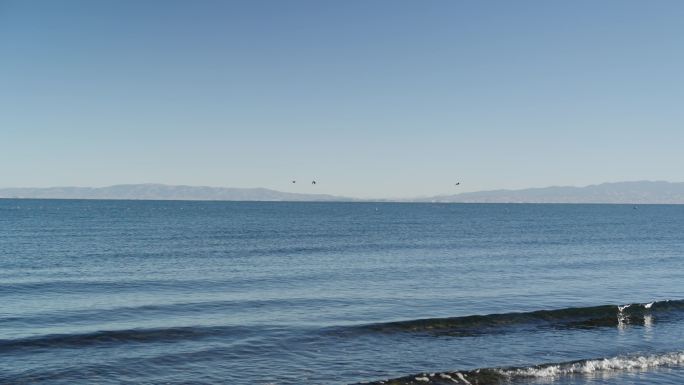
[495,376]
[579,317]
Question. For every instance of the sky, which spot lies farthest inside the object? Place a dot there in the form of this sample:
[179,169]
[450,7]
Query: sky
[370,98]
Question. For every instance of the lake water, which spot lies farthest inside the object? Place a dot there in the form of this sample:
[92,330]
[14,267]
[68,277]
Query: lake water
[170,292]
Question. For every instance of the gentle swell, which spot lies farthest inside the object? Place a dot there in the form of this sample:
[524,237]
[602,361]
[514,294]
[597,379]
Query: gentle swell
[112,337]
[582,317]
[495,376]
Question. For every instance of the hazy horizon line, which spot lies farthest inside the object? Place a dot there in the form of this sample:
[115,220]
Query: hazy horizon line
[366,198]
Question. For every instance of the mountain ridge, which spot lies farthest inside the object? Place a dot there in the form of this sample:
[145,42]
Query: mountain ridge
[156,191]
[631,192]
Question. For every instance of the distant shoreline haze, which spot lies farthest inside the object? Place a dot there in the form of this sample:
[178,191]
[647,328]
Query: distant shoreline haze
[639,192]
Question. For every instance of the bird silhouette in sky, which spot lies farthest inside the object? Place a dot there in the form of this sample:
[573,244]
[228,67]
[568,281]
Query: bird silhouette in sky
[313,182]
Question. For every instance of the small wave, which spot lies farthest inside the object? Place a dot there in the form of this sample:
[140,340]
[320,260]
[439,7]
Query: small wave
[111,337]
[87,316]
[580,317]
[495,376]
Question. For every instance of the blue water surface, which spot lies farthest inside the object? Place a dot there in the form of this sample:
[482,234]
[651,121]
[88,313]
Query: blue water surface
[177,292]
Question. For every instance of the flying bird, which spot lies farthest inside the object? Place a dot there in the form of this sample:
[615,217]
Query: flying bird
[294,181]
[457,183]
[313,182]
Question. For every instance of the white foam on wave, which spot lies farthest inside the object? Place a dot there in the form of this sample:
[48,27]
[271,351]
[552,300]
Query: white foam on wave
[599,365]
[462,378]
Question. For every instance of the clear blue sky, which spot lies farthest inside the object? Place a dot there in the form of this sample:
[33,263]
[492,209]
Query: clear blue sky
[370,98]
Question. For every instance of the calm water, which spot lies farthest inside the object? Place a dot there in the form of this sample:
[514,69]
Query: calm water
[143,292]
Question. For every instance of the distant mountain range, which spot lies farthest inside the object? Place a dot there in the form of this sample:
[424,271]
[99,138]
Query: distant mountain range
[642,192]
[163,192]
